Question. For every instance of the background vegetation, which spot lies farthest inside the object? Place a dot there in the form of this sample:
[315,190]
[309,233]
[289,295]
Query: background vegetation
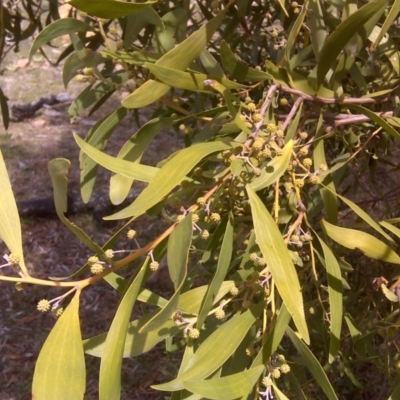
[280,236]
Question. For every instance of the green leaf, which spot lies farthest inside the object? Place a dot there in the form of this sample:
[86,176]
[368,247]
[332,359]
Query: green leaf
[363,215]
[391,228]
[391,16]
[201,365]
[4,109]
[224,261]
[60,368]
[170,175]
[395,394]
[275,169]
[376,118]
[58,28]
[335,290]
[227,388]
[187,80]
[278,259]
[138,342]
[97,137]
[178,58]
[111,360]
[109,9]
[313,365]
[354,239]
[10,226]
[344,33]
[129,169]
[132,151]
[177,254]
[316,23]
[58,169]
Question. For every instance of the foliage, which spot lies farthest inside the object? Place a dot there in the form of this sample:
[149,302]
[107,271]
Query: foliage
[274,126]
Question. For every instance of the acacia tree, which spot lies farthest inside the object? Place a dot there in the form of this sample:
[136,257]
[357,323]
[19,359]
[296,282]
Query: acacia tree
[279,103]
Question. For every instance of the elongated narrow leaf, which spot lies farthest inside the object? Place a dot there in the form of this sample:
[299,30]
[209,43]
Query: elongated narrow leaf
[274,170]
[328,192]
[363,215]
[344,33]
[60,369]
[169,176]
[395,394]
[138,342]
[133,150]
[316,23]
[129,169]
[391,16]
[313,365]
[10,226]
[187,80]
[227,388]
[335,289]
[111,360]
[354,239]
[178,58]
[56,29]
[58,169]
[224,261]
[391,228]
[109,8]
[279,262]
[377,119]
[177,254]
[201,365]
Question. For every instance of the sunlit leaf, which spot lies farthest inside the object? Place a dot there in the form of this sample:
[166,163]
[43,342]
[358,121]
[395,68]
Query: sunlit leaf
[170,175]
[354,239]
[312,364]
[60,368]
[278,259]
[111,360]
[227,388]
[201,365]
[10,226]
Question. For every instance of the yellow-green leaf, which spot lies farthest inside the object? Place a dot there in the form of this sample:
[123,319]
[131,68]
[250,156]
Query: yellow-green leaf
[279,262]
[170,175]
[228,387]
[274,170]
[111,360]
[354,239]
[10,226]
[60,368]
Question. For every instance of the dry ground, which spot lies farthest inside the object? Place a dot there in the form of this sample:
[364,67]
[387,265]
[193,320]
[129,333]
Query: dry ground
[50,249]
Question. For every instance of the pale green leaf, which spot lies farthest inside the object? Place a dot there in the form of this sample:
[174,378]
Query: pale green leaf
[354,239]
[132,151]
[344,33]
[316,23]
[277,257]
[109,9]
[10,226]
[224,261]
[274,170]
[111,360]
[178,58]
[187,80]
[227,388]
[310,361]
[58,28]
[58,169]
[391,16]
[60,368]
[177,254]
[129,169]
[201,365]
[170,175]
[335,290]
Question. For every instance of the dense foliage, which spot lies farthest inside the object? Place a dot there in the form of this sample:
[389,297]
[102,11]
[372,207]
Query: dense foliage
[287,108]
